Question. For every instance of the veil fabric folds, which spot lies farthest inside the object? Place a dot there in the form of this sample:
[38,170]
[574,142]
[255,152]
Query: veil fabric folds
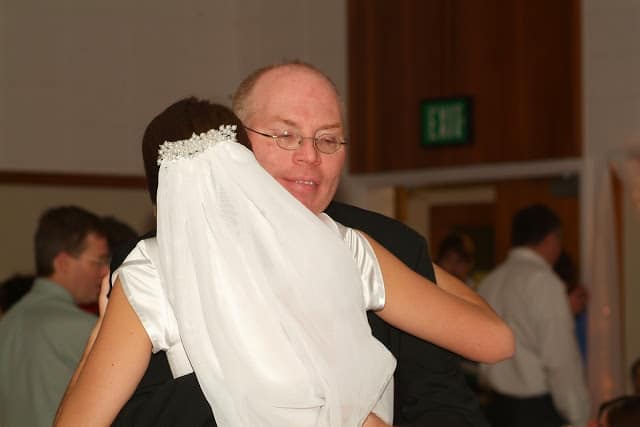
[267,297]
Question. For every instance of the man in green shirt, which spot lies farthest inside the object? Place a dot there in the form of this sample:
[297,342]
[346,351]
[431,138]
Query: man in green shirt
[43,335]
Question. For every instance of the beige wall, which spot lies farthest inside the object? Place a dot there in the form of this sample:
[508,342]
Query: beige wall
[79,80]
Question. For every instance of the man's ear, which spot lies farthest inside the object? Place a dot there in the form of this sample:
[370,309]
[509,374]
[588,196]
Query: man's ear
[548,248]
[61,262]
[553,240]
[546,240]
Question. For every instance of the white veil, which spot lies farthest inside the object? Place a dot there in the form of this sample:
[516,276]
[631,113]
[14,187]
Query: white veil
[267,298]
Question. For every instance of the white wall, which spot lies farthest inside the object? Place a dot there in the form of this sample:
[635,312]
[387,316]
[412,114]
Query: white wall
[611,66]
[611,107]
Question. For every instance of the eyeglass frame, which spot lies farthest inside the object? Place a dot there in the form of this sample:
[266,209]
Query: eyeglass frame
[300,139]
[101,262]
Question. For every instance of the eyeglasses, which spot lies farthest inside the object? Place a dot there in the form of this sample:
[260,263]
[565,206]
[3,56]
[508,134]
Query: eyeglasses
[327,144]
[99,261]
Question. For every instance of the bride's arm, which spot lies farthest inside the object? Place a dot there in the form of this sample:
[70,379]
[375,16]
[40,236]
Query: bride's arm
[110,369]
[450,314]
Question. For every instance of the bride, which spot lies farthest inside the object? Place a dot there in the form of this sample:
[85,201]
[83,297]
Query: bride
[265,301]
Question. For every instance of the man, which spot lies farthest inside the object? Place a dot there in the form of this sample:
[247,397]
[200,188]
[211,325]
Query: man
[44,334]
[543,384]
[565,268]
[287,109]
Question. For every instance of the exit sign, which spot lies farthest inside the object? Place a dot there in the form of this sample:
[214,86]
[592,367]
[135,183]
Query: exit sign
[446,121]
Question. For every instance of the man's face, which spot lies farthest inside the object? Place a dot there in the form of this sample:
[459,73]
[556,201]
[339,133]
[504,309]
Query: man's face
[298,101]
[86,270]
[457,265]
[461,267]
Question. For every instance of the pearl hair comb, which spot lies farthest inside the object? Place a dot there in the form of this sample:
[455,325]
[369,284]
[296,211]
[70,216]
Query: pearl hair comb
[171,151]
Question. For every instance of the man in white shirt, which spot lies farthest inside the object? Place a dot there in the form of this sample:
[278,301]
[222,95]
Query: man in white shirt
[543,384]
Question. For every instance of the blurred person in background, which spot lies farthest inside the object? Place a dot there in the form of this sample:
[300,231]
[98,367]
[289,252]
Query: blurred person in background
[544,383]
[44,334]
[578,297]
[456,255]
[119,234]
[565,268]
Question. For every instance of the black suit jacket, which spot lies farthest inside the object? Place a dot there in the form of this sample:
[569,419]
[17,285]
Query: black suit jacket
[430,389]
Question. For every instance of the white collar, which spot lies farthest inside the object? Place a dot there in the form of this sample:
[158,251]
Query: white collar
[526,253]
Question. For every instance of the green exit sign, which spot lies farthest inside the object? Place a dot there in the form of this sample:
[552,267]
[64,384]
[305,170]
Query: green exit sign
[446,121]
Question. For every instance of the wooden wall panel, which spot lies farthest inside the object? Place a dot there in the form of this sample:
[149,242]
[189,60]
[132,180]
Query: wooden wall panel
[518,59]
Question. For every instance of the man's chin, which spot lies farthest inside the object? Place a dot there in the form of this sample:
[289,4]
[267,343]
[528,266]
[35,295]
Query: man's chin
[310,203]
[307,195]
[303,195]
[306,201]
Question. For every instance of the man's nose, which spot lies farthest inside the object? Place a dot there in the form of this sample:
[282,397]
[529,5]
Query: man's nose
[306,152]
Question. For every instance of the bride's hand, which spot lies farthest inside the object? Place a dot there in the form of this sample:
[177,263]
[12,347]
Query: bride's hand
[373,421]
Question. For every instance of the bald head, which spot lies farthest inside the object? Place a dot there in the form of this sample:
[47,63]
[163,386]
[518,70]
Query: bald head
[242,98]
[294,99]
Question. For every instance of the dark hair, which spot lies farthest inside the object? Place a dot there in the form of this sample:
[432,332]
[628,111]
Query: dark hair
[62,229]
[457,243]
[621,412]
[180,121]
[532,224]
[14,288]
[117,232]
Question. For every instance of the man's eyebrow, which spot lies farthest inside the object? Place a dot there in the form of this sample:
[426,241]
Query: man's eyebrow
[286,122]
[293,124]
[330,126]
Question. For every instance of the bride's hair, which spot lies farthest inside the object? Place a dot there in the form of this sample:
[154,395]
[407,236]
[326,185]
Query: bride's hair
[180,121]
